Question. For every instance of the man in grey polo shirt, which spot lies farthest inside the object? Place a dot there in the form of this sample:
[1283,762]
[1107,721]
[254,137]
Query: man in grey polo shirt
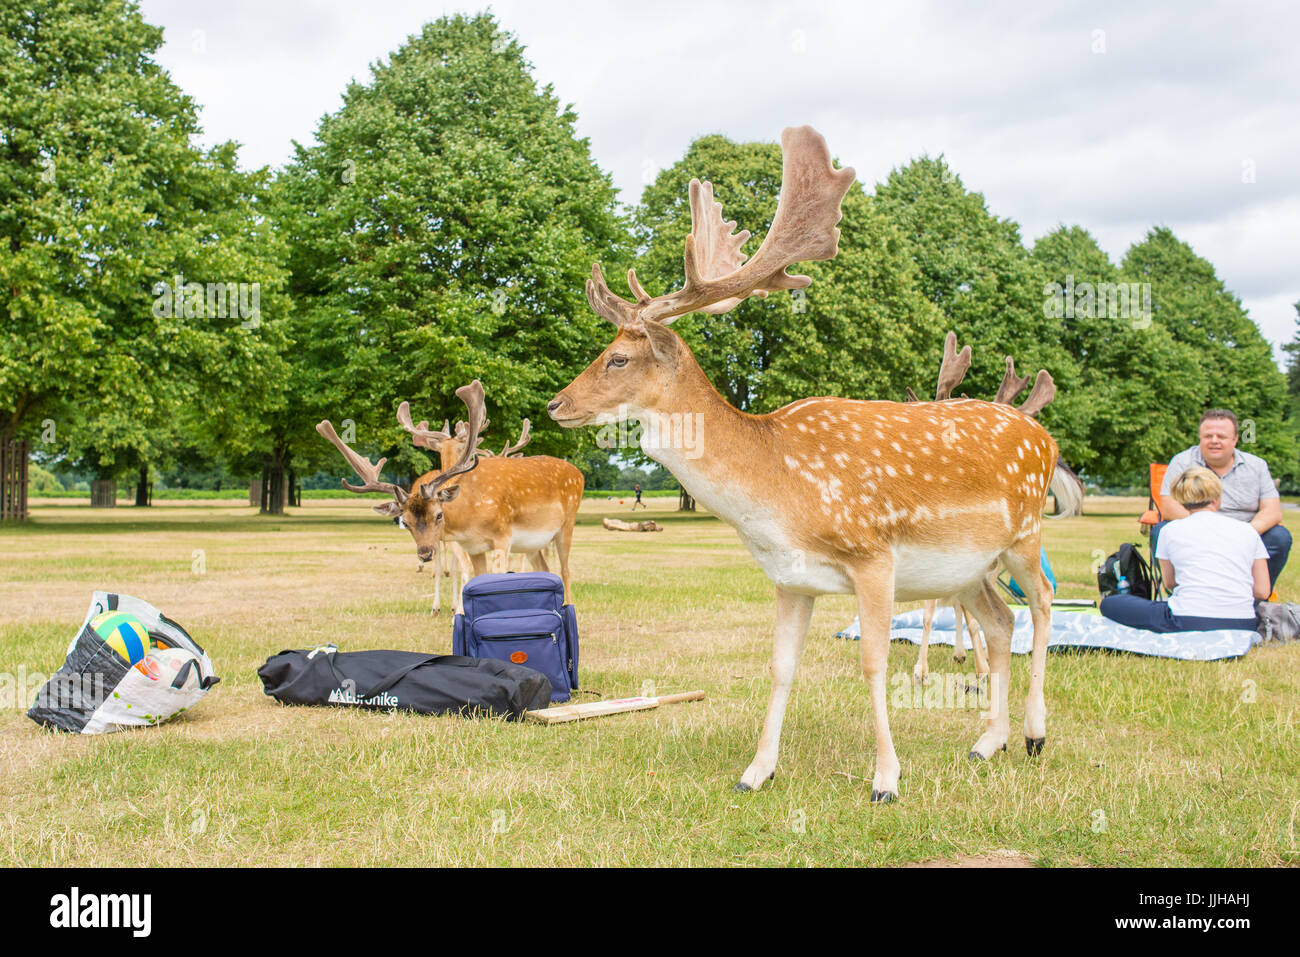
[1249,494]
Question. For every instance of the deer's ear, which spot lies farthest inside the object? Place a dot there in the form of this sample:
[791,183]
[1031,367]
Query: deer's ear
[663,341]
[447,494]
[391,509]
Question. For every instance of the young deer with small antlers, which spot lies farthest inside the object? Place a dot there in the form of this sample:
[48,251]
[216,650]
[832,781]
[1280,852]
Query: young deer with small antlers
[951,372]
[504,503]
[884,500]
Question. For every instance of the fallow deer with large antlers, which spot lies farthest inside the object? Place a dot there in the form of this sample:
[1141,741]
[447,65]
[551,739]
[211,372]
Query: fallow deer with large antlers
[886,500]
[500,503]
[448,557]
[449,445]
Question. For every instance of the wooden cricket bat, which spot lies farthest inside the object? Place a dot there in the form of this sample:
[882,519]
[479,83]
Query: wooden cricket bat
[596,709]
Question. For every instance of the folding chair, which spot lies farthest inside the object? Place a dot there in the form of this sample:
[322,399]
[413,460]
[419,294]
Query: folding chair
[1148,521]
[1013,590]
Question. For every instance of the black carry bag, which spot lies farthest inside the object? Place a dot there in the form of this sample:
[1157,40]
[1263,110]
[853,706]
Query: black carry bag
[406,680]
[1127,563]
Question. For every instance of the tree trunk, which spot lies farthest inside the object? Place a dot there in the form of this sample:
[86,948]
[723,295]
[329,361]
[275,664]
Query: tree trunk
[13,479]
[273,483]
[143,488]
[685,503]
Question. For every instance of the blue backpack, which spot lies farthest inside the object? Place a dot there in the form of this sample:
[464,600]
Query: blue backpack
[521,618]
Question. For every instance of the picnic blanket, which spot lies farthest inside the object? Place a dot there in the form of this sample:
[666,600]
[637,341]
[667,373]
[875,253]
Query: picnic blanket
[1072,629]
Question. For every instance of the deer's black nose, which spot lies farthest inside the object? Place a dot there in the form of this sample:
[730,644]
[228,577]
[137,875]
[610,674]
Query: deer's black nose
[553,405]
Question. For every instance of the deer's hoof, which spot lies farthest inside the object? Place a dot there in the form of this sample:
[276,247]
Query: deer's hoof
[742,786]
[976,756]
[1034,746]
[883,797]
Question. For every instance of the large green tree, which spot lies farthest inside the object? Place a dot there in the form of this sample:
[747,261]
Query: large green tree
[104,201]
[441,229]
[1234,363]
[1129,410]
[972,265]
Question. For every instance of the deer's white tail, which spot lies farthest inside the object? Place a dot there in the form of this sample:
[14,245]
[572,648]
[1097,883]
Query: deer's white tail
[1068,489]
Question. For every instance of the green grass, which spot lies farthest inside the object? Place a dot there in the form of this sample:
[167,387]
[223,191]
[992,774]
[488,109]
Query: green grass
[1148,762]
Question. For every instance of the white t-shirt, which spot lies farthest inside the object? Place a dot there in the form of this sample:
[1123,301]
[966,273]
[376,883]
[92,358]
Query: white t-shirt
[1212,557]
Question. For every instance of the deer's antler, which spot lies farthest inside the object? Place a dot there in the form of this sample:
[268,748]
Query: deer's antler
[717,275]
[369,472]
[1043,392]
[525,436]
[1012,384]
[420,434]
[953,369]
[472,396]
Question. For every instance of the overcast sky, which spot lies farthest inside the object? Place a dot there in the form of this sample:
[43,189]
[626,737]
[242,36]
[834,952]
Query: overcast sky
[1091,113]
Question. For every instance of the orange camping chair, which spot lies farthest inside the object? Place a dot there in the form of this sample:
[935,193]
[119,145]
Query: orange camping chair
[1150,518]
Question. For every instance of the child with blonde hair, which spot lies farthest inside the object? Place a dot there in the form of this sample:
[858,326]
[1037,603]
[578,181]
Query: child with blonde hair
[1216,566]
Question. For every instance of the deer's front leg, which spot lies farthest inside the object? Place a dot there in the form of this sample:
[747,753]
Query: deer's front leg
[873,581]
[793,612]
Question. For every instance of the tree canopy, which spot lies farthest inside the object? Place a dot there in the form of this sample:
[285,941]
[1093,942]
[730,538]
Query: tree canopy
[441,229]
[169,310]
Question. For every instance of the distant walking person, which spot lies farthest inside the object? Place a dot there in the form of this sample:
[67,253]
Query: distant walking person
[637,489]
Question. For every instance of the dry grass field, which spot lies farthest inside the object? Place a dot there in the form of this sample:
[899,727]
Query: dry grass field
[1148,762]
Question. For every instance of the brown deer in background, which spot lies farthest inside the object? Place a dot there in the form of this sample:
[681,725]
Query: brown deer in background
[504,503]
[951,372]
[448,556]
[885,500]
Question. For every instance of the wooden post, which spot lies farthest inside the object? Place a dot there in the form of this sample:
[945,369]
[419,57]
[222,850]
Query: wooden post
[103,493]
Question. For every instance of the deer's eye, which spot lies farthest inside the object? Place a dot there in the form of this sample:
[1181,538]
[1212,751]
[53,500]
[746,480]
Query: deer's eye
[616,362]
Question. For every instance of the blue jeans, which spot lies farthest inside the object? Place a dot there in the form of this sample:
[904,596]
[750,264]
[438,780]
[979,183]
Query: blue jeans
[1155,616]
[1277,542]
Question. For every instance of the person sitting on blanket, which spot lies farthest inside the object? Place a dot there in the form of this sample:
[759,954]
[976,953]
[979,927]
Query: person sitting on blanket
[1249,493]
[1216,566]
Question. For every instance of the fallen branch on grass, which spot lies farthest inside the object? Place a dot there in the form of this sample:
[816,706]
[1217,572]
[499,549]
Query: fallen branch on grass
[615,525]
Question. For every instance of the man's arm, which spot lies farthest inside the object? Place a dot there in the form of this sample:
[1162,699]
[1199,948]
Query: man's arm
[1269,514]
[1170,510]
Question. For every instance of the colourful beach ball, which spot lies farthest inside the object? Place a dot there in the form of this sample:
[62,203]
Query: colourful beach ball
[124,633]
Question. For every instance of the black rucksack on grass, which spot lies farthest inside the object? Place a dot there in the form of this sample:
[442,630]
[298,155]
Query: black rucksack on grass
[1129,564]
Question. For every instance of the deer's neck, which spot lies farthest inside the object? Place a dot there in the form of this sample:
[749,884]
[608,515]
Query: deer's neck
[717,452]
